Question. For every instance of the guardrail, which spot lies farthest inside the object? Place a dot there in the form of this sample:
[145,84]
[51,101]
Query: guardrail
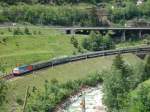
[54,62]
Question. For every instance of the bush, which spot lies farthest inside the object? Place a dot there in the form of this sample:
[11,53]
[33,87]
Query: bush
[54,93]
[97,42]
[9,29]
[20,101]
[3,91]
[17,31]
[139,100]
[26,31]
[117,84]
[2,33]
[74,41]
[34,32]
[39,32]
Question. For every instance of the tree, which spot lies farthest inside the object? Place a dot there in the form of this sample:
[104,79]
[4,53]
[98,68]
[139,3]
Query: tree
[94,41]
[26,31]
[74,41]
[117,85]
[3,91]
[17,31]
[140,99]
[2,69]
[147,69]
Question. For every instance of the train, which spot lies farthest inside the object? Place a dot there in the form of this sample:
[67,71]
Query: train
[36,66]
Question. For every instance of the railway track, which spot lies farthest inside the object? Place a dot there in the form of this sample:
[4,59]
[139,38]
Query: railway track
[60,61]
[7,77]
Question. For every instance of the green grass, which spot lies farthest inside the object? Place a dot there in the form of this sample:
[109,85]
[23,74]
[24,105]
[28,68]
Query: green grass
[136,43]
[25,49]
[63,73]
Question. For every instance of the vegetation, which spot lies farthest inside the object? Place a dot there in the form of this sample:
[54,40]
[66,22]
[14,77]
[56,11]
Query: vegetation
[37,81]
[59,2]
[54,93]
[63,73]
[76,14]
[74,41]
[140,98]
[21,46]
[25,45]
[97,42]
[119,83]
[3,92]
[147,69]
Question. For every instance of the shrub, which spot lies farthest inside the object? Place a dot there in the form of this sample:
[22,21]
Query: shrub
[2,33]
[39,32]
[34,32]
[19,101]
[54,93]
[117,84]
[97,42]
[9,29]
[74,41]
[17,31]
[26,31]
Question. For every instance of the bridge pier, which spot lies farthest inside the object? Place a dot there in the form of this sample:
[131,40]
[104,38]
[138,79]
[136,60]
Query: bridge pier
[123,37]
[140,34]
[73,32]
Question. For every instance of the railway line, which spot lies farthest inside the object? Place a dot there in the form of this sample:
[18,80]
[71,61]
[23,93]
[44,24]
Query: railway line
[59,61]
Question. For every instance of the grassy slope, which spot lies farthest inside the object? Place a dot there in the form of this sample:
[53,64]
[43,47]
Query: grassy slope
[24,49]
[136,43]
[71,71]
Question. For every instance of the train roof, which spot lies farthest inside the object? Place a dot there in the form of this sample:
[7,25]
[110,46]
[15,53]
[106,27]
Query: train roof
[22,66]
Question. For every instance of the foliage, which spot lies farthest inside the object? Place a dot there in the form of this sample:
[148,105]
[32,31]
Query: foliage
[147,69]
[3,91]
[42,14]
[97,42]
[117,85]
[74,41]
[140,99]
[17,31]
[55,93]
[37,13]
[19,101]
[26,31]
[58,2]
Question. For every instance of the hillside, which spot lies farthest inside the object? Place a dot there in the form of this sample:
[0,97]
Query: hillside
[139,98]
[63,73]
[70,13]
[25,49]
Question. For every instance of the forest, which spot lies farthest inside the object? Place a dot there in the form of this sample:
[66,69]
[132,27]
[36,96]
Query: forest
[74,15]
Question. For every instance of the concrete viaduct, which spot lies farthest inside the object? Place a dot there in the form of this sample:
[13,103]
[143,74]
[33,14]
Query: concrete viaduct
[86,30]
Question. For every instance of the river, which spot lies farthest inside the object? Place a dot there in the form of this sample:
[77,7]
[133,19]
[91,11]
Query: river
[89,100]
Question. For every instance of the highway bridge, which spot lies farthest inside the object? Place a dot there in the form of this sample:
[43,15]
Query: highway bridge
[123,31]
[140,31]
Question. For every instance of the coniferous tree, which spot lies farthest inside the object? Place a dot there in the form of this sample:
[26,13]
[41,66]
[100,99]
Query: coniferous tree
[147,69]
[117,85]
[3,91]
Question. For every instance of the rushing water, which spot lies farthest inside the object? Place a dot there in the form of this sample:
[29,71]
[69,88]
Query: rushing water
[92,98]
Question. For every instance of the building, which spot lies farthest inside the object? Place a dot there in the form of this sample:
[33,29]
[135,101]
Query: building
[139,2]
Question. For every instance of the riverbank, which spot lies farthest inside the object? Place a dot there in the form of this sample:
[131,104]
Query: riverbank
[93,101]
